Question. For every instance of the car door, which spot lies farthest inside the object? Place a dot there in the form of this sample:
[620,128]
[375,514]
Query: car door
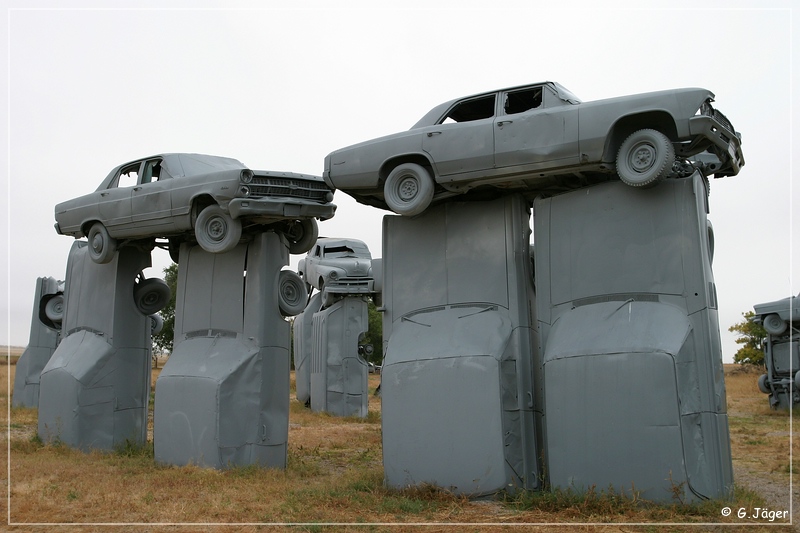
[151,203]
[114,203]
[536,129]
[463,140]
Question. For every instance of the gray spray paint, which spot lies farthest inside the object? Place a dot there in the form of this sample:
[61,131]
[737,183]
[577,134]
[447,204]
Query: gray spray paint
[631,377]
[44,338]
[94,391]
[222,398]
[457,396]
[338,375]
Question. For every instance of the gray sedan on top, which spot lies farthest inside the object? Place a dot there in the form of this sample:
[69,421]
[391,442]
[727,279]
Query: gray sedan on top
[205,198]
[541,139]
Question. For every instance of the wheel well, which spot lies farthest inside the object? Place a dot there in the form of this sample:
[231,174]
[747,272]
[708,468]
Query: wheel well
[199,203]
[87,226]
[656,120]
[390,164]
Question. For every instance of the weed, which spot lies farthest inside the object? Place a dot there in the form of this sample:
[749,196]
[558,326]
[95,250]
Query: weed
[131,448]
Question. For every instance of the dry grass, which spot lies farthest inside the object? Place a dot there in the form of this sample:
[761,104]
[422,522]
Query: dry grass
[335,475]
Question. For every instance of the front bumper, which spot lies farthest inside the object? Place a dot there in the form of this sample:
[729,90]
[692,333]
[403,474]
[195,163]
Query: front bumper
[727,141]
[278,209]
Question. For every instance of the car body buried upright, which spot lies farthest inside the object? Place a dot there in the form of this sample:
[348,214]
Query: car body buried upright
[541,139]
[207,198]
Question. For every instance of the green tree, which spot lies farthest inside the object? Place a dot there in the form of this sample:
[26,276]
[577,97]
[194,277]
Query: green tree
[750,336]
[374,335]
[163,341]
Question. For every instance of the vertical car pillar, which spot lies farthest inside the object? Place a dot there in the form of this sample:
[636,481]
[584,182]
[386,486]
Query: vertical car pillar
[338,375]
[456,387]
[631,370]
[222,398]
[48,312]
[94,391]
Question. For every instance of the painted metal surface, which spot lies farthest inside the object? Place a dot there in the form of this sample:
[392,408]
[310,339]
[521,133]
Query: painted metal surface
[222,398]
[44,338]
[781,320]
[538,139]
[631,375]
[457,392]
[338,374]
[95,389]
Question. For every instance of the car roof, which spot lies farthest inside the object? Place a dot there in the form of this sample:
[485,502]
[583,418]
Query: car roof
[181,164]
[436,113]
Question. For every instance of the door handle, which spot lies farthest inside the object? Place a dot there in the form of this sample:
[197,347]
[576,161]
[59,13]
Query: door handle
[504,122]
[137,188]
[432,133]
[103,194]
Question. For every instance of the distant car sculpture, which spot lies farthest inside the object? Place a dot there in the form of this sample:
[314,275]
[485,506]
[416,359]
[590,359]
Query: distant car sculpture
[781,320]
[207,198]
[338,267]
[539,138]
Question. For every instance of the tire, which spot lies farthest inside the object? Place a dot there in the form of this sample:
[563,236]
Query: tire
[774,324]
[645,158]
[762,384]
[408,190]
[156,324]
[174,249]
[102,246]
[216,231]
[292,295]
[54,309]
[151,295]
[301,234]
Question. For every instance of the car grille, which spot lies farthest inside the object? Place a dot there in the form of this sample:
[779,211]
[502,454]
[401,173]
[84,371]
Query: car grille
[261,187]
[722,119]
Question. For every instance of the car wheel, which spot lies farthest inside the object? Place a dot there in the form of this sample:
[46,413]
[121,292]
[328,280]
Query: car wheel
[292,293]
[54,309]
[174,248]
[645,158]
[762,384]
[774,324]
[151,295]
[301,234]
[216,231]
[156,324]
[102,246]
[408,189]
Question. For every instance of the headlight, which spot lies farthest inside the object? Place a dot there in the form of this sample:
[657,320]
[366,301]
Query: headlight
[333,275]
[244,190]
[246,176]
[706,109]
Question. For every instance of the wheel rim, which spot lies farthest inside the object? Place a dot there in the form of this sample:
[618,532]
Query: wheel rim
[97,244]
[407,189]
[216,229]
[150,299]
[643,157]
[290,293]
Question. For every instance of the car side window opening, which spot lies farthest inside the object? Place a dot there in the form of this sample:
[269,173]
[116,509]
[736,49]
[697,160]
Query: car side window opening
[152,171]
[520,101]
[475,109]
[129,176]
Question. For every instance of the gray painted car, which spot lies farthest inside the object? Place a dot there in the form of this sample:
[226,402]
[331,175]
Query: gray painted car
[338,266]
[539,138]
[207,198]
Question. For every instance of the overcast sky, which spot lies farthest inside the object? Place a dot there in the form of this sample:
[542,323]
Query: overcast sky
[279,86]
